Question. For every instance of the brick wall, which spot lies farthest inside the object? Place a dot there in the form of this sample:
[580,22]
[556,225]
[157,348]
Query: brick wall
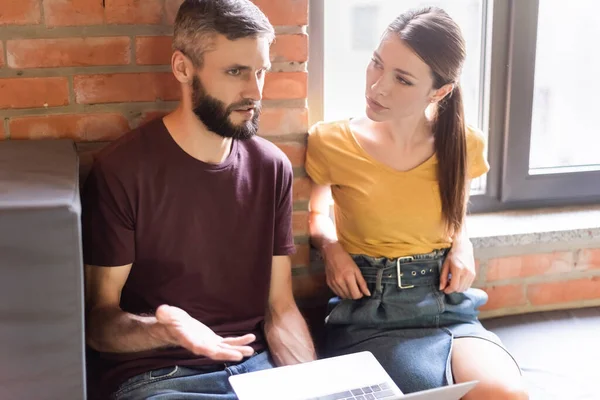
[536,281]
[90,70]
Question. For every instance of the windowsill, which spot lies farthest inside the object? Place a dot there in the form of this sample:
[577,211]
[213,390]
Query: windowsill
[538,226]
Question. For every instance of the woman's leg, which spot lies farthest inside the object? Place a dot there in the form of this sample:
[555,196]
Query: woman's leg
[498,375]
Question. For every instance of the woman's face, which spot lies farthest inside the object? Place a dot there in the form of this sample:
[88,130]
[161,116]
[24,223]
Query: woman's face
[399,83]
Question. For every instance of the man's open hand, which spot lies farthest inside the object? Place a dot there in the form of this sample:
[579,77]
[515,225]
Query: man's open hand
[187,332]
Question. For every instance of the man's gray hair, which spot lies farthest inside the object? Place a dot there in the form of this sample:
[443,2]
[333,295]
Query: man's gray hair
[199,21]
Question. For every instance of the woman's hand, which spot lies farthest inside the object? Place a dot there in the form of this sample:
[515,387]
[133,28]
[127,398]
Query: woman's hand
[458,271]
[343,275]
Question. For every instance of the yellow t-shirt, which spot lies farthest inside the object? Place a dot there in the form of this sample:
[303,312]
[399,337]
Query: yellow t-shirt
[379,211]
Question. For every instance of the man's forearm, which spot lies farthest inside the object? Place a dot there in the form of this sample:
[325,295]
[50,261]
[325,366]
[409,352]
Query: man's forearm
[288,337]
[112,330]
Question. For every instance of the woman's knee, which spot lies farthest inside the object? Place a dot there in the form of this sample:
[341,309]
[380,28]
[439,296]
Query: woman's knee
[497,391]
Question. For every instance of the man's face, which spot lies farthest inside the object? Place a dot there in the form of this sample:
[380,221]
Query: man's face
[216,115]
[227,90]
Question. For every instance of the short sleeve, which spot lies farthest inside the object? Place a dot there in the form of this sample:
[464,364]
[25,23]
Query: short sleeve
[107,220]
[477,164]
[316,163]
[283,243]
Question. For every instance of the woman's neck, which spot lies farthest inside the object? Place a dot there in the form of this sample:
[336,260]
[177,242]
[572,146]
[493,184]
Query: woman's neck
[406,132]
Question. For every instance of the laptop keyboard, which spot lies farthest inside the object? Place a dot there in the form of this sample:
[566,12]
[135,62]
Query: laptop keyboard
[381,391]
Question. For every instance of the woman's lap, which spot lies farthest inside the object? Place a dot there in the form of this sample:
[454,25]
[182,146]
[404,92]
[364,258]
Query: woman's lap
[401,353]
[411,331]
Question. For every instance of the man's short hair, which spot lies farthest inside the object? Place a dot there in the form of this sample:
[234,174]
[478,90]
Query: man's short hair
[199,21]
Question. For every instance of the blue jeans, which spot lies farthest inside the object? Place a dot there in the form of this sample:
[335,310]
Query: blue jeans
[189,383]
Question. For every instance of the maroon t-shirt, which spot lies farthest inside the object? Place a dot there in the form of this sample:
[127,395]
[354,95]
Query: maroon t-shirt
[200,236]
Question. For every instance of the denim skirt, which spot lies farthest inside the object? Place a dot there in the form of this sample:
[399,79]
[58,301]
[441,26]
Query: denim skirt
[407,322]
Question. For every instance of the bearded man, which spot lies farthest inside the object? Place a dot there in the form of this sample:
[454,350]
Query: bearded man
[187,227]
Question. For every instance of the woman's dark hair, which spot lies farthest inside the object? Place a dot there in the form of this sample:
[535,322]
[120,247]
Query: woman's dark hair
[438,41]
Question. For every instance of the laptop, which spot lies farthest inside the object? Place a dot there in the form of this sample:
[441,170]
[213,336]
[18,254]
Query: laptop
[356,376]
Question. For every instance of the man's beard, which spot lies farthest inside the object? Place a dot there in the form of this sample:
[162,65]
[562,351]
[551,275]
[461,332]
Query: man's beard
[214,114]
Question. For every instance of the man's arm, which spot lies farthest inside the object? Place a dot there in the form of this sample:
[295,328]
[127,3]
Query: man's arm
[110,329]
[286,332]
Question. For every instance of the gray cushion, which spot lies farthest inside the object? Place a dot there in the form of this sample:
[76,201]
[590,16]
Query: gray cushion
[41,273]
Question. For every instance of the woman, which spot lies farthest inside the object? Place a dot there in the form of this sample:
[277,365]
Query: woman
[398,255]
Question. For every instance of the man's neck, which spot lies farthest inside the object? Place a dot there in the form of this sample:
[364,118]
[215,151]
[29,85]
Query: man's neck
[195,139]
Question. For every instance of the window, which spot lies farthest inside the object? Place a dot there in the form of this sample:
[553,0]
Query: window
[564,125]
[364,31]
[529,84]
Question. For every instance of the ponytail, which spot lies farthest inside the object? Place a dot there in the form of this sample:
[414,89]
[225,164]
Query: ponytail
[451,150]
[438,41]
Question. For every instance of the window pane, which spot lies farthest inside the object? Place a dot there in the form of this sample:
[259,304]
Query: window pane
[352,31]
[564,127]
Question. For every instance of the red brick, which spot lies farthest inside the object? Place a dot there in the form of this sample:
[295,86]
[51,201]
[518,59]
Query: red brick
[301,190]
[33,92]
[171,8]
[68,52]
[73,12]
[302,256]
[296,152]
[20,12]
[148,116]
[588,259]
[153,50]
[80,127]
[504,297]
[564,291]
[310,286]
[477,267]
[285,12]
[1,54]
[115,88]
[283,121]
[290,48]
[530,265]
[133,11]
[300,223]
[285,85]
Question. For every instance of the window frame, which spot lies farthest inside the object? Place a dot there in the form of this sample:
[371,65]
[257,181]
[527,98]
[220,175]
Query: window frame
[506,101]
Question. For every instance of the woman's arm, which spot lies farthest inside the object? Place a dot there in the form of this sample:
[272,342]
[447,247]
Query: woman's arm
[343,276]
[458,271]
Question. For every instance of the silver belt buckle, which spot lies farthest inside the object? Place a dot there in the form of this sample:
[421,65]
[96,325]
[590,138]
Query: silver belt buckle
[399,271]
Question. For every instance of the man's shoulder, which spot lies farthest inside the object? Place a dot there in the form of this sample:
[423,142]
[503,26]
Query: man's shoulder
[262,150]
[126,151]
